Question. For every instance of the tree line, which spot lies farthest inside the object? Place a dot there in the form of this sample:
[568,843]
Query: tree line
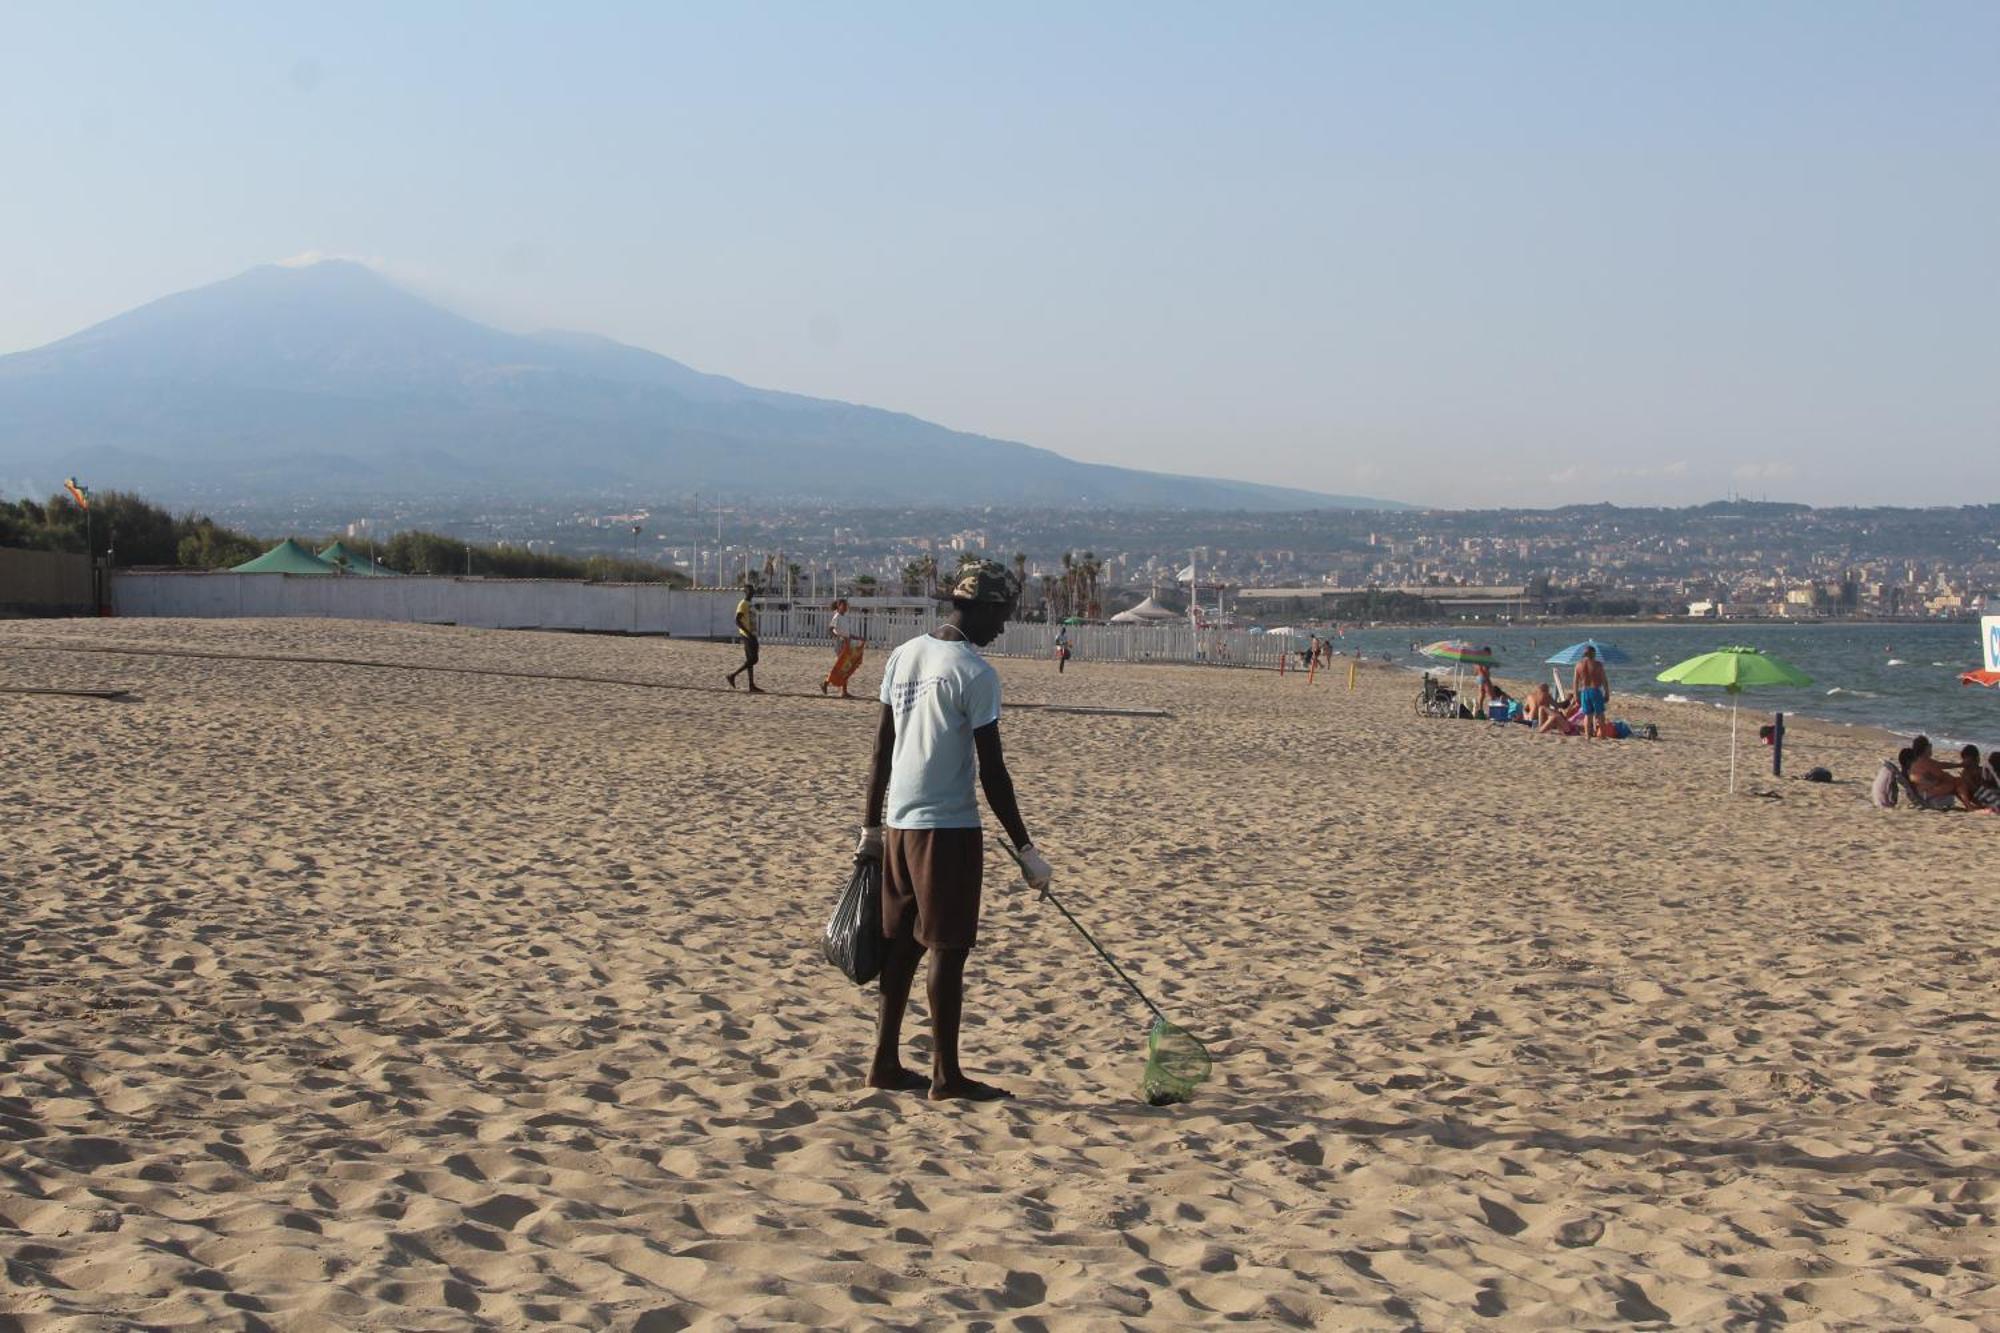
[132,531]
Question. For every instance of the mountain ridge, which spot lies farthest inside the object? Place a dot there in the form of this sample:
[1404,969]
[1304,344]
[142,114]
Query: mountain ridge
[329,377]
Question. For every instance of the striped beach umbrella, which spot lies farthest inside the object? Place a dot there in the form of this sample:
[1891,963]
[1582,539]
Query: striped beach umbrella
[1461,652]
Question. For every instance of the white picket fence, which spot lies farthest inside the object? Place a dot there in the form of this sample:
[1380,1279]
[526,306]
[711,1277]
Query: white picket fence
[886,622]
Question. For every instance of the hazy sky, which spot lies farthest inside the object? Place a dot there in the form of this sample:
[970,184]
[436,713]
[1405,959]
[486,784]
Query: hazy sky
[1470,255]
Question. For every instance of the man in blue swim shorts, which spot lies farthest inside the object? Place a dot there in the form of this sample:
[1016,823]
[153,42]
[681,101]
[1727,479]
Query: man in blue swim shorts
[1593,692]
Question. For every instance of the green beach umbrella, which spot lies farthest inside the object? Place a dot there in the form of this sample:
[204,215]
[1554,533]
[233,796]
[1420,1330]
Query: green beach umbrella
[1735,670]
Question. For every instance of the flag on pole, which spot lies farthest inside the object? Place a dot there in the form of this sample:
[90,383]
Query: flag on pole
[77,492]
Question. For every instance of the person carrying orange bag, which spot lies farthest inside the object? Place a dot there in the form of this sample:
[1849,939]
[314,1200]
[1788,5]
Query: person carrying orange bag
[847,657]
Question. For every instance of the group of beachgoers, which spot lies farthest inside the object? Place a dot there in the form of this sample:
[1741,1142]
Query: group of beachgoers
[1584,711]
[1918,776]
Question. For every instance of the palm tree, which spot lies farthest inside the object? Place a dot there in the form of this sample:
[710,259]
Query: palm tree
[920,577]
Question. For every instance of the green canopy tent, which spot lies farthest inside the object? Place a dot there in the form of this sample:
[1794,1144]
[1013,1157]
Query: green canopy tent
[287,557]
[342,556]
[1735,670]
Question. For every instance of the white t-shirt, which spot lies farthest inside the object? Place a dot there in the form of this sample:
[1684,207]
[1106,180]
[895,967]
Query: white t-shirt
[837,627]
[941,691]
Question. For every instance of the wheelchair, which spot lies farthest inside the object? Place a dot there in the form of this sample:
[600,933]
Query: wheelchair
[1438,700]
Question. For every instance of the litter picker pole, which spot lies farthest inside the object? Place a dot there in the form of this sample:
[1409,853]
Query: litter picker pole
[1091,940]
[1109,959]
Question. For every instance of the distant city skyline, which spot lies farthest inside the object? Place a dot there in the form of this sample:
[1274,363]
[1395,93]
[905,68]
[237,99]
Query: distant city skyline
[1457,256]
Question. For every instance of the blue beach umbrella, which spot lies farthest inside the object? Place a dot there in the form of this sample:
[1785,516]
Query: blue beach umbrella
[1608,653]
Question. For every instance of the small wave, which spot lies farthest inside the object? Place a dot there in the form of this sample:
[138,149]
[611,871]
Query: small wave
[1895,661]
[1858,694]
[1677,699]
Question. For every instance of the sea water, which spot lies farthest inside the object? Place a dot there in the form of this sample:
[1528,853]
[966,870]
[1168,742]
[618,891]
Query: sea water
[1903,677]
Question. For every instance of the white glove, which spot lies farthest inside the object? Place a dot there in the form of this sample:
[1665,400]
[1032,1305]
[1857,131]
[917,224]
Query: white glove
[868,847]
[1034,867]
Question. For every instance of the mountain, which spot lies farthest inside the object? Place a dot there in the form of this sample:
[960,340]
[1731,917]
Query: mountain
[329,379]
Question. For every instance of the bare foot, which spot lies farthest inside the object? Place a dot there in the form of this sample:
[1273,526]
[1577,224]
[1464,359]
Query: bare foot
[731,680]
[969,1090]
[898,1079]
[754,690]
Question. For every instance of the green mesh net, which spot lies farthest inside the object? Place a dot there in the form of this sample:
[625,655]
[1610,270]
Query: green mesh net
[1176,1064]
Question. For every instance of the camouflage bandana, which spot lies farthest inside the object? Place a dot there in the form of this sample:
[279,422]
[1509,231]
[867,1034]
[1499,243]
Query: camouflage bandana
[988,581]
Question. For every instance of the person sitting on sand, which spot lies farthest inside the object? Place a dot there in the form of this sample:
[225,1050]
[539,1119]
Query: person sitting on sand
[1924,779]
[1541,702]
[1976,789]
[940,709]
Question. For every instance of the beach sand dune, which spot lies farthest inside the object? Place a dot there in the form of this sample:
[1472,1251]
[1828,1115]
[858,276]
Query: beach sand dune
[342,996]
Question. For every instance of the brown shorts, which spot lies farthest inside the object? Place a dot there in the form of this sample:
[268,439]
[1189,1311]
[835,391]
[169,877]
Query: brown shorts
[930,885]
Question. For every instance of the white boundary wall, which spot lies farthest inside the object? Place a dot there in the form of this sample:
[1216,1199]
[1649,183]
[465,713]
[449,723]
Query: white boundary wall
[653,608]
[558,604]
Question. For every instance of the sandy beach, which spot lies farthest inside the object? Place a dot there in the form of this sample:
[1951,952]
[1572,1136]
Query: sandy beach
[341,996]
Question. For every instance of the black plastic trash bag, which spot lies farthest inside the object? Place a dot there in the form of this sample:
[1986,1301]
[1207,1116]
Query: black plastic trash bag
[854,942]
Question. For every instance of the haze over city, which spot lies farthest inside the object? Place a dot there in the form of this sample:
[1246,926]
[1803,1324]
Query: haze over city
[1458,256]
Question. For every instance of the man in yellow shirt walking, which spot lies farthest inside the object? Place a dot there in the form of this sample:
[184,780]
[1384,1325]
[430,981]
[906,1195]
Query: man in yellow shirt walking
[746,630]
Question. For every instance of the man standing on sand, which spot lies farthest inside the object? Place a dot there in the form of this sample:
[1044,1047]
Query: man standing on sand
[940,710]
[1593,693]
[746,630]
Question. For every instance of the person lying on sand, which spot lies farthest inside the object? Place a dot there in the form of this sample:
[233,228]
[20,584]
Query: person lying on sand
[940,709]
